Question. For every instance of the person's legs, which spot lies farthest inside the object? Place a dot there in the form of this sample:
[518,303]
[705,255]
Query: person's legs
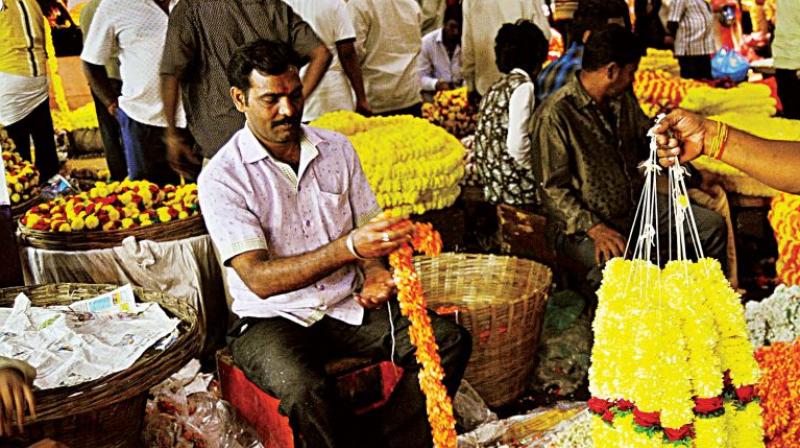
[145,151]
[112,141]
[403,420]
[20,134]
[287,360]
[789,92]
[44,141]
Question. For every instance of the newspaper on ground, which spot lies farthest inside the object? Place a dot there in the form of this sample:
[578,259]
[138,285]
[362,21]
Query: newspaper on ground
[70,347]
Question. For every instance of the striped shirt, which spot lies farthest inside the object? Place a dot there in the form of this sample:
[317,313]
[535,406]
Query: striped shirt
[695,35]
[22,36]
[559,72]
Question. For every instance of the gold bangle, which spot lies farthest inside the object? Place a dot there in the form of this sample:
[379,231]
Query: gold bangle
[723,140]
[712,153]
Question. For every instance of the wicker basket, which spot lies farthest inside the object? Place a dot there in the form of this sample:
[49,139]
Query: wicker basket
[501,301]
[107,412]
[74,241]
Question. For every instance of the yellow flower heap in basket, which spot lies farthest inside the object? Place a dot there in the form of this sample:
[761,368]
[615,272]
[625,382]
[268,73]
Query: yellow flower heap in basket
[411,165]
[746,98]
[672,363]
[451,110]
[761,126]
[659,91]
[660,60]
[117,205]
[21,177]
[784,216]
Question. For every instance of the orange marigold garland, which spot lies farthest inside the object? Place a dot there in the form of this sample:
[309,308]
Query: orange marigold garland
[413,306]
[780,394]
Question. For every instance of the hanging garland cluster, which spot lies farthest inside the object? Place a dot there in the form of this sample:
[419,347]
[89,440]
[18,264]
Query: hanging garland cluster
[21,177]
[451,110]
[411,165]
[413,306]
[780,396]
[784,216]
[117,205]
[672,363]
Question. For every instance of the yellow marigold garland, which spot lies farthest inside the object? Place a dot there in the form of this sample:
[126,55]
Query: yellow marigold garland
[746,98]
[413,306]
[21,177]
[784,216]
[117,205]
[411,165]
[672,363]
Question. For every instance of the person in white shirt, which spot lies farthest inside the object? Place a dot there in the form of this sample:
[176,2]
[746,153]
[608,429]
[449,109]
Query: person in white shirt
[482,20]
[440,58]
[786,50]
[135,30]
[329,19]
[502,135]
[388,42]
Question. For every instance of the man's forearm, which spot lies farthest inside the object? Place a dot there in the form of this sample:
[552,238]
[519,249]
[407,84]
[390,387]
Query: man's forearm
[100,83]
[317,66]
[267,277]
[352,69]
[170,91]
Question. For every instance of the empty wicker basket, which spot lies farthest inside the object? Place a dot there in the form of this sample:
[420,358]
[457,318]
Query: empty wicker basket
[501,301]
[108,412]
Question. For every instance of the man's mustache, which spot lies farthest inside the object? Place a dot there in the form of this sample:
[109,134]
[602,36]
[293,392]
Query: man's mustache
[292,121]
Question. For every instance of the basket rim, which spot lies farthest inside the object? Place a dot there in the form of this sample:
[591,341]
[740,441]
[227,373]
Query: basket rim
[146,371]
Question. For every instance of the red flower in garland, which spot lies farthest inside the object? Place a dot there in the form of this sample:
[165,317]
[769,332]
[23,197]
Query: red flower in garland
[705,406]
[673,435]
[624,405]
[646,419]
[599,406]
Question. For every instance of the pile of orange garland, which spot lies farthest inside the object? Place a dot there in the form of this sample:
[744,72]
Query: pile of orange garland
[413,306]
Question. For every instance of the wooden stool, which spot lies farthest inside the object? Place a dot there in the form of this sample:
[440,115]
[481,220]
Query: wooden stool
[362,384]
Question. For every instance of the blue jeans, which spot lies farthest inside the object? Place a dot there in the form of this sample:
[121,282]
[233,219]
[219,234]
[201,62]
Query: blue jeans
[145,151]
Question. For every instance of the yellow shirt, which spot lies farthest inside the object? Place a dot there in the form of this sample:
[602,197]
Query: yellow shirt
[22,34]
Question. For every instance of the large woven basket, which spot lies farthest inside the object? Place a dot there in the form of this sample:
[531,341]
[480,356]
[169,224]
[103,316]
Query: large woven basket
[501,301]
[107,412]
[75,241]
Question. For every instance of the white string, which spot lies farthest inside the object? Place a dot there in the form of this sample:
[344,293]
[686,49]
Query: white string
[391,326]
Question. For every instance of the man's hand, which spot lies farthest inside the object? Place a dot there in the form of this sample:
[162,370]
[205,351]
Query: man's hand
[382,236]
[48,443]
[608,243]
[363,108]
[443,85]
[112,108]
[180,156]
[378,287]
[688,132]
[669,41]
[15,395]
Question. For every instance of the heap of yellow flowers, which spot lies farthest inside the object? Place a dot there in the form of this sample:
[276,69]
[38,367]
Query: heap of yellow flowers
[660,91]
[672,363]
[746,98]
[784,216]
[413,306]
[64,118]
[411,165]
[656,59]
[116,205]
[21,177]
[451,110]
[759,125]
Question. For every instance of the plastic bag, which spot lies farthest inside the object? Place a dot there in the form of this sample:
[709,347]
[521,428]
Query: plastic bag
[728,63]
[471,411]
[186,411]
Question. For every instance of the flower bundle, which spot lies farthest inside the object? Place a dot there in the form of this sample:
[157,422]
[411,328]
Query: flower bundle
[412,304]
[656,59]
[451,110]
[776,318]
[784,216]
[411,165]
[780,396]
[117,205]
[746,98]
[6,144]
[21,177]
[672,363]
[659,91]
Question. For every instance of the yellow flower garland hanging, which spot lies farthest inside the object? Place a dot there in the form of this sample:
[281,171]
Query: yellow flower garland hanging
[413,306]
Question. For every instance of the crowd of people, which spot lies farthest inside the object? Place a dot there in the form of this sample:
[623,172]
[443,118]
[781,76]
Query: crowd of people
[222,91]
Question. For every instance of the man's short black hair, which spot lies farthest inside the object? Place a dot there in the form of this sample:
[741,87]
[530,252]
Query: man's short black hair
[453,12]
[593,15]
[266,56]
[613,44]
[520,45]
